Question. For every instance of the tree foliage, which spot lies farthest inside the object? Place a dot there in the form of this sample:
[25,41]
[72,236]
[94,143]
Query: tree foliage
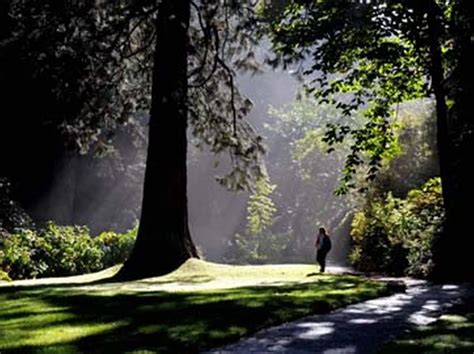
[82,53]
[376,54]
[360,55]
[96,60]
[11,214]
[260,207]
[398,236]
[306,166]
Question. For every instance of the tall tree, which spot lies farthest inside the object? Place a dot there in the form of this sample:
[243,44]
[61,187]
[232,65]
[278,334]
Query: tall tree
[459,144]
[112,48]
[163,241]
[372,55]
[60,57]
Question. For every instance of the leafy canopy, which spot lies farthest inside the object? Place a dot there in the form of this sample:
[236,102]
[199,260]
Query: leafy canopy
[359,55]
[96,60]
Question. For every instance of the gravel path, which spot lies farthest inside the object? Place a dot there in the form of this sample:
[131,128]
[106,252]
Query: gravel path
[359,328]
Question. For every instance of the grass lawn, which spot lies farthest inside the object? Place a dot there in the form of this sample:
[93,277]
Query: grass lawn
[200,306]
[452,333]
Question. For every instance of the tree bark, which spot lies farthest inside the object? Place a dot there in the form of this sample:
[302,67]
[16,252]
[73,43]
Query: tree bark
[455,143]
[437,82]
[462,141]
[164,241]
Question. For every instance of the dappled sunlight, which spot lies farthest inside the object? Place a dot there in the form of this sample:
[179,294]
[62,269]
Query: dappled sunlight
[321,149]
[315,330]
[451,333]
[363,321]
[34,321]
[427,313]
[194,274]
[450,287]
[365,326]
[71,280]
[58,334]
[142,315]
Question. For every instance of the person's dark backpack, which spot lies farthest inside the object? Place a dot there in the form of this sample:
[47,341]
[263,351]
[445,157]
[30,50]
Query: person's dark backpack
[326,243]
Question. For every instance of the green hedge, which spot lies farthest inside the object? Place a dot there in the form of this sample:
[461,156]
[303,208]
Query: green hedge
[396,236]
[60,251]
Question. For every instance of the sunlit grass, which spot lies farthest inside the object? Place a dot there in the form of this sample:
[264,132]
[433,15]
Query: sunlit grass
[200,306]
[452,333]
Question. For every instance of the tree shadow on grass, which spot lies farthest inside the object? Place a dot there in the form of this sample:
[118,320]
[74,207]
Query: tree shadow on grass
[112,282]
[360,328]
[169,322]
[453,333]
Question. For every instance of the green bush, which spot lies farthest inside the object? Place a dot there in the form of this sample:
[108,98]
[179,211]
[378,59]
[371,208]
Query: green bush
[116,247]
[60,251]
[4,276]
[396,236]
[16,254]
[66,250]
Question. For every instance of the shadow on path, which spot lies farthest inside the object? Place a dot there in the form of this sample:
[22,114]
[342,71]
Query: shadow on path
[359,328]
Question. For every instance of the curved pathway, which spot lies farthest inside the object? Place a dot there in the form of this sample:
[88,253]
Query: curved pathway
[359,328]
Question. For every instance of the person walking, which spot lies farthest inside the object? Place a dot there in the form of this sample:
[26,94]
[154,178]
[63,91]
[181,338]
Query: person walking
[323,246]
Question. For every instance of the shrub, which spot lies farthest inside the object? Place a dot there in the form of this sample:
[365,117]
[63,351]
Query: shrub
[16,254]
[375,249]
[116,247]
[66,250]
[426,204]
[4,276]
[60,251]
[395,235]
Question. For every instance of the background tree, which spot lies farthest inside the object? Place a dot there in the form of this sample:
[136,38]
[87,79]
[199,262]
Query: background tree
[374,55]
[306,176]
[82,100]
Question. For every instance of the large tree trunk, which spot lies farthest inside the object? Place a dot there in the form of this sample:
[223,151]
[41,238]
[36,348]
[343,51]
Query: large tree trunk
[442,132]
[455,144]
[164,240]
[462,142]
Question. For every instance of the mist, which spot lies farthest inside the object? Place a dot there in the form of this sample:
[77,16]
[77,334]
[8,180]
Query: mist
[105,193]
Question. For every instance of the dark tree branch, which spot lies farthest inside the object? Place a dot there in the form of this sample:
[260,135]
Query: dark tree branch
[130,33]
[232,92]
[205,30]
[133,14]
[226,37]
[215,61]
[143,48]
